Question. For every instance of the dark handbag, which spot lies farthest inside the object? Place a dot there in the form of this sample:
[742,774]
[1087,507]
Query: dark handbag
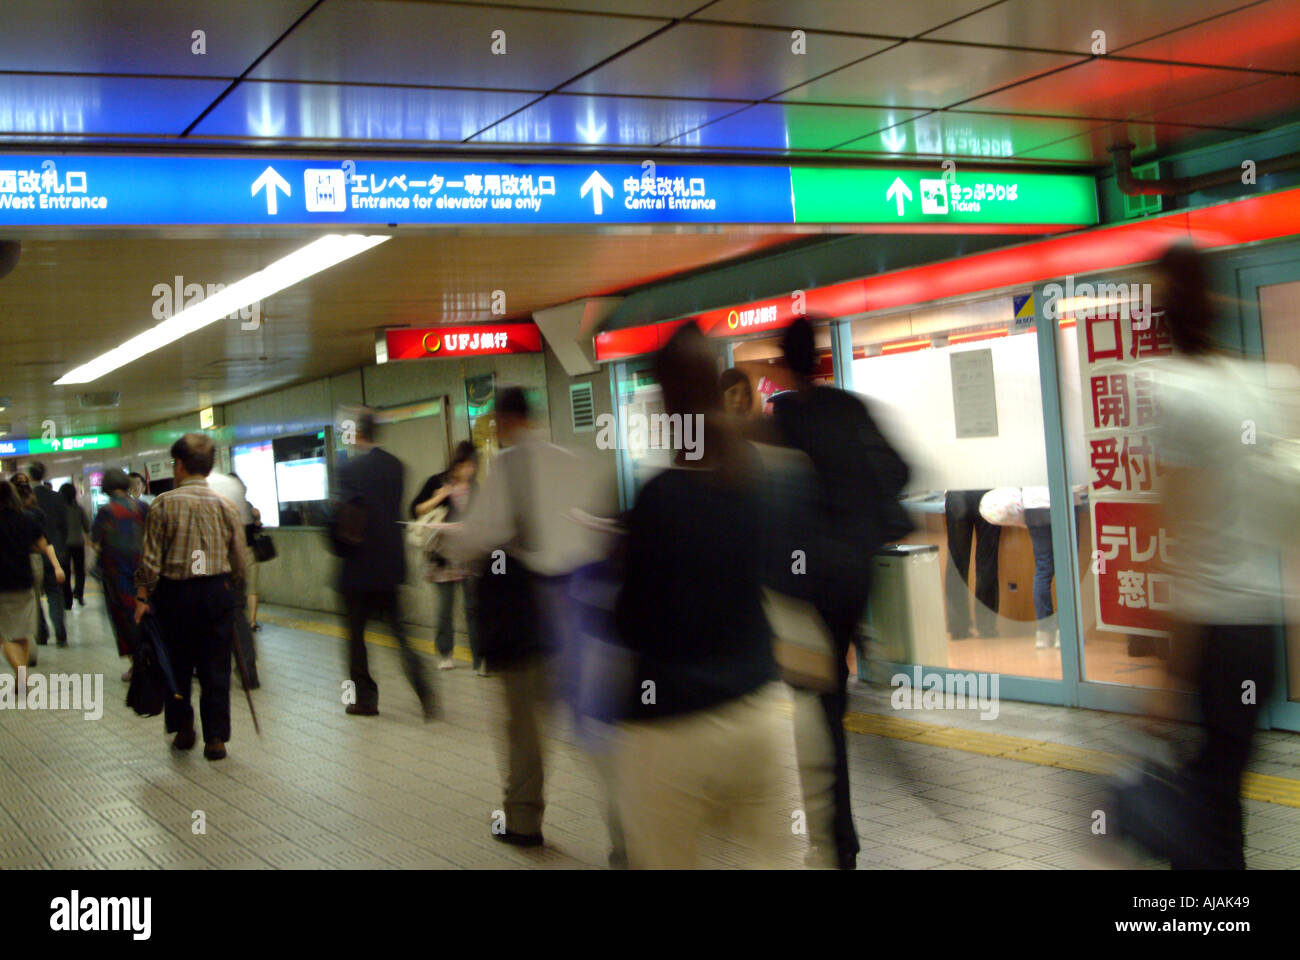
[152,683]
[509,623]
[348,527]
[263,548]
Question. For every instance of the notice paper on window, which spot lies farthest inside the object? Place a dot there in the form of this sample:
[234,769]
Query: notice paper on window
[974,397]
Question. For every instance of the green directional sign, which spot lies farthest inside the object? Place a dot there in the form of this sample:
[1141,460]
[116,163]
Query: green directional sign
[95,441]
[825,195]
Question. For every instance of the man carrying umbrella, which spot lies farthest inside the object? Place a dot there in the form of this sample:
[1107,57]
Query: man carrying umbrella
[192,557]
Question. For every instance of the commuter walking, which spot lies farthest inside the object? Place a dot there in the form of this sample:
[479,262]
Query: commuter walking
[78,525]
[859,477]
[140,489]
[54,519]
[520,523]
[368,535]
[118,534]
[23,487]
[704,727]
[192,560]
[1229,505]
[253,565]
[20,536]
[233,489]
[453,490]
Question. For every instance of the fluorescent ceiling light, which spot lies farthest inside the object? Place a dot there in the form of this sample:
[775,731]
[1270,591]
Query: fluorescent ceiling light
[318,255]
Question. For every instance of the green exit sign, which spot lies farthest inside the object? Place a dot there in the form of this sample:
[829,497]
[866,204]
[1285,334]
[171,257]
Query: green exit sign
[885,196]
[94,441]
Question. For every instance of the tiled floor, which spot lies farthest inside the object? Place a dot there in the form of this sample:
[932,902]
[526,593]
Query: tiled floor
[320,789]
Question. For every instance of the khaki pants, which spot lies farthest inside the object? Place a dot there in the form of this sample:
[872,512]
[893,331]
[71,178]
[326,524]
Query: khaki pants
[816,756]
[678,775]
[520,750]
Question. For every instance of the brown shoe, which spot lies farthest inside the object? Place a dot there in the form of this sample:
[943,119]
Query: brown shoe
[184,740]
[362,710]
[215,749]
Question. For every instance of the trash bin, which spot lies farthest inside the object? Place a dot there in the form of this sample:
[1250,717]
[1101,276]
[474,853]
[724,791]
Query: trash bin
[904,618]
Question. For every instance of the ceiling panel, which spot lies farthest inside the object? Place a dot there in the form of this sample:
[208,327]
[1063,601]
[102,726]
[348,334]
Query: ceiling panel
[956,134]
[323,325]
[647,8]
[1251,108]
[75,106]
[1093,147]
[1115,89]
[1262,37]
[335,112]
[605,121]
[880,17]
[719,62]
[141,36]
[933,75]
[789,126]
[1059,25]
[441,44]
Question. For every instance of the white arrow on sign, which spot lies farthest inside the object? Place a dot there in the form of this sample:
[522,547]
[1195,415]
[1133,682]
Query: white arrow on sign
[601,186]
[270,180]
[897,191]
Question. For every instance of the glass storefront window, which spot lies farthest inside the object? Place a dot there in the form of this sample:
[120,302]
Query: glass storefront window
[959,395]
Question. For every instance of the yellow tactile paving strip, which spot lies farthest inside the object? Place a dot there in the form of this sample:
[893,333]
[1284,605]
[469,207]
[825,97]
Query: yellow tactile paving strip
[1255,786]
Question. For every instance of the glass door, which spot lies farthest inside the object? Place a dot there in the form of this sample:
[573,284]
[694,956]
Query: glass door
[1269,296]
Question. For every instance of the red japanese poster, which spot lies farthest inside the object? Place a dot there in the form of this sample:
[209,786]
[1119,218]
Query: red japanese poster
[1118,350]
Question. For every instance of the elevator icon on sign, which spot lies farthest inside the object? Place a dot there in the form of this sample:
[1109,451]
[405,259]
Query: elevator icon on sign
[934,196]
[325,191]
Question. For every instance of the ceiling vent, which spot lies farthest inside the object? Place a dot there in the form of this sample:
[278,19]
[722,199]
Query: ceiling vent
[105,399]
[583,407]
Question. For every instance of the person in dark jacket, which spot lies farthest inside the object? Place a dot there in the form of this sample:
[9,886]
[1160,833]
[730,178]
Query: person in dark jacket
[368,532]
[835,430]
[703,735]
[453,489]
[74,587]
[55,518]
[20,537]
[118,533]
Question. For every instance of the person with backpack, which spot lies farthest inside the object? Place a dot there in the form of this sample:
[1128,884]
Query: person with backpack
[858,478]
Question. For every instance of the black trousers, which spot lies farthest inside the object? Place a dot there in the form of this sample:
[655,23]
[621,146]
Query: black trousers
[74,570]
[1229,656]
[843,621]
[196,618]
[962,520]
[360,606]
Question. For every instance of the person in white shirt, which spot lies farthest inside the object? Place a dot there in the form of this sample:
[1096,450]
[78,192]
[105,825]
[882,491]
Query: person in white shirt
[233,489]
[1219,413]
[518,530]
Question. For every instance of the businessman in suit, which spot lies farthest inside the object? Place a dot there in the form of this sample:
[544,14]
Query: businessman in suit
[368,534]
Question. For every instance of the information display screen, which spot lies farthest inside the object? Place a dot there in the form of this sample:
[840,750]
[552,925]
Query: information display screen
[299,480]
[255,464]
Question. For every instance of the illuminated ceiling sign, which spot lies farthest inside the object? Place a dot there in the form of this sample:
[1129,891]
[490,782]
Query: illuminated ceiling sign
[31,446]
[479,340]
[86,190]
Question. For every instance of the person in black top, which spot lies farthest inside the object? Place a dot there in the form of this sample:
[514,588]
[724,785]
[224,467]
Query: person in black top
[55,520]
[20,537]
[704,731]
[856,470]
[453,489]
[78,524]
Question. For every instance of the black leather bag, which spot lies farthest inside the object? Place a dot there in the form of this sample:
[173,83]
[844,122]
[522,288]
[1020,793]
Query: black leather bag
[152,683]
[263,548]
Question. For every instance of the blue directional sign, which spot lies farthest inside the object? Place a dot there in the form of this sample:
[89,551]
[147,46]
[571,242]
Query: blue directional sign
[83,190]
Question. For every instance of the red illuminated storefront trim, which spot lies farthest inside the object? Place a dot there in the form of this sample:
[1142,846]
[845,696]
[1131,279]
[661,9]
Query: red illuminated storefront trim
[1228,224]
[480,340]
